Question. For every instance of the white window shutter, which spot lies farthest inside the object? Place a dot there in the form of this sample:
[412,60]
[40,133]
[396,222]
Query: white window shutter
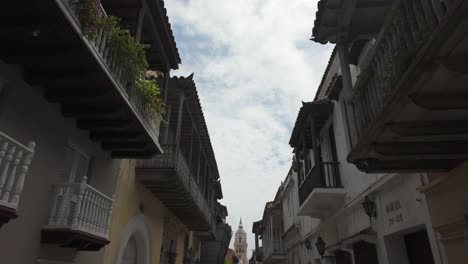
[68,164]
[75,165]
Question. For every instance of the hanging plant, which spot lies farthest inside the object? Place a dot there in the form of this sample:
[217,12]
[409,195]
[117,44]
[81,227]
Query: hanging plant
[151,95]
[129,54]
[89,13]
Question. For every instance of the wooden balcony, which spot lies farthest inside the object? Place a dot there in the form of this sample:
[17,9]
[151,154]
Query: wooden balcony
[80,217]
[410,103]
[80,72]
[15,159]
[169,178]
[321,193]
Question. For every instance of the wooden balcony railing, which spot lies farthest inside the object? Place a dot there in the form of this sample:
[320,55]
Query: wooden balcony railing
[99,45]
[15,159]
[80,207]
[322,175]
[409,25]
[171,159]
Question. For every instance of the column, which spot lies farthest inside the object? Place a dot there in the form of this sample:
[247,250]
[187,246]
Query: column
[179,122]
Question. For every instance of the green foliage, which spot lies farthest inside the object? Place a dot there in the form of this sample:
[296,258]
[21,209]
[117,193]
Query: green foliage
[89,15]
[151,94]
[128,53]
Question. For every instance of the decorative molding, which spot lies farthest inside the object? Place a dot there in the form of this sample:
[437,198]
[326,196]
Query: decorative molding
[136,227]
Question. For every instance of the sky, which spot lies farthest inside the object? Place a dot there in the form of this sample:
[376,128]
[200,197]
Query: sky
[253,64]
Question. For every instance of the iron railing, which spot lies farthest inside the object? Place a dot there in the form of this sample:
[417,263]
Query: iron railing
[322,175]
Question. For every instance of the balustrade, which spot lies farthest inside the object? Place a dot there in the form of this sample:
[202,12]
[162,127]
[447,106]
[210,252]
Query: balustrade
[80,207]
[15,159]
[322,175]
[100,44]
[409,25]
[173,159]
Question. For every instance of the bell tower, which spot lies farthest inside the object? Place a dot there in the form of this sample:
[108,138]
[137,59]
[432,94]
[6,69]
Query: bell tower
[240,244]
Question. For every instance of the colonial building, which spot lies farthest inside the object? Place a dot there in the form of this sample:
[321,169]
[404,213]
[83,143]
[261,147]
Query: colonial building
[240,243]
[87,172]
[403,100]
[170,202]
[69,111]
[271,230]
[362,217]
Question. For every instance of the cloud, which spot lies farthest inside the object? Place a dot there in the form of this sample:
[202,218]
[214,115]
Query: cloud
[253,64]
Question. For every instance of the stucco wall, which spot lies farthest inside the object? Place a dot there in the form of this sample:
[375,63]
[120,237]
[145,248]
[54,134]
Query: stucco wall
[26,115]
[129,194]
[447,199]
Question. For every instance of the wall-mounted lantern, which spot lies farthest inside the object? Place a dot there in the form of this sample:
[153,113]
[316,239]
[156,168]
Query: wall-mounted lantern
[369,208]
[320,245]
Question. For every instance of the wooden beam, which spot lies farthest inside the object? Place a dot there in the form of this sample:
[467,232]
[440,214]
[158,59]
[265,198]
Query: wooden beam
[158,41]
[429,128]
[421,149]
[84,110]
[179,122]
[407,166]
[105,124]
[441,101]
[116,135]
[117,145]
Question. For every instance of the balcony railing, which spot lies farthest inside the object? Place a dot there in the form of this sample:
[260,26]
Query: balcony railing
[274,247]
[15,159]
[80,207]
[99,45]
[322,175]
[171,159]
[408,27]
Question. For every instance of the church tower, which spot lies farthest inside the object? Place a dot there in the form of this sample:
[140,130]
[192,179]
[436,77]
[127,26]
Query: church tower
[240,244]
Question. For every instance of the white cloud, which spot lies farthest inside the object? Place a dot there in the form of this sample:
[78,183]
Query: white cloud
[253,64]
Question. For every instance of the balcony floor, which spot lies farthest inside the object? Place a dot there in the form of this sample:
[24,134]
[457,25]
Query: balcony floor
[166,186]
[322,202]
[73,239]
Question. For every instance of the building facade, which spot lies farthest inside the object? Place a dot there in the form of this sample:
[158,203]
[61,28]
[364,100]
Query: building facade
[401,114]
[240,243]
[87,172]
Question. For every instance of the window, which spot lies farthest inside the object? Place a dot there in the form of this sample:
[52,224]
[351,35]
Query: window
[75,165]
[240,239]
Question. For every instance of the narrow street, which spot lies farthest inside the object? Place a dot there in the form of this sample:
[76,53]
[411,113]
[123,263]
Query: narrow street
[234,132]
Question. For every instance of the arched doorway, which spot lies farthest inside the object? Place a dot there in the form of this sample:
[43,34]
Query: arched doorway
[135,243]
[130,253]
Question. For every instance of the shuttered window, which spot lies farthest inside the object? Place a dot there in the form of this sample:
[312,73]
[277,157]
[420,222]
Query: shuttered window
[75,165]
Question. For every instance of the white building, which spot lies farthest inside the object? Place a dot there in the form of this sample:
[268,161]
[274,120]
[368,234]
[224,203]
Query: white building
[332,191]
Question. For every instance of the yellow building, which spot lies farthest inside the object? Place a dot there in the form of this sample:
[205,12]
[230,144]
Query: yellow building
[142,227]
[166,208]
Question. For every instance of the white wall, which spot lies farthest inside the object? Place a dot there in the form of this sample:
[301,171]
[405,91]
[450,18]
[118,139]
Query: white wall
[26,115]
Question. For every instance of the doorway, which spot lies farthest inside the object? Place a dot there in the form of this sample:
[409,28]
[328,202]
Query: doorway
[365,253]
[418,248]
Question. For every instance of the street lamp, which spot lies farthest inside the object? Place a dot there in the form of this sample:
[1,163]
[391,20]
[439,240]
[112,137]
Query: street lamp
[369,208]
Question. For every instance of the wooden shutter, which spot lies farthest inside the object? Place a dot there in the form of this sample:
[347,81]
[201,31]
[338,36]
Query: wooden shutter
[75,165]
[67,167]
